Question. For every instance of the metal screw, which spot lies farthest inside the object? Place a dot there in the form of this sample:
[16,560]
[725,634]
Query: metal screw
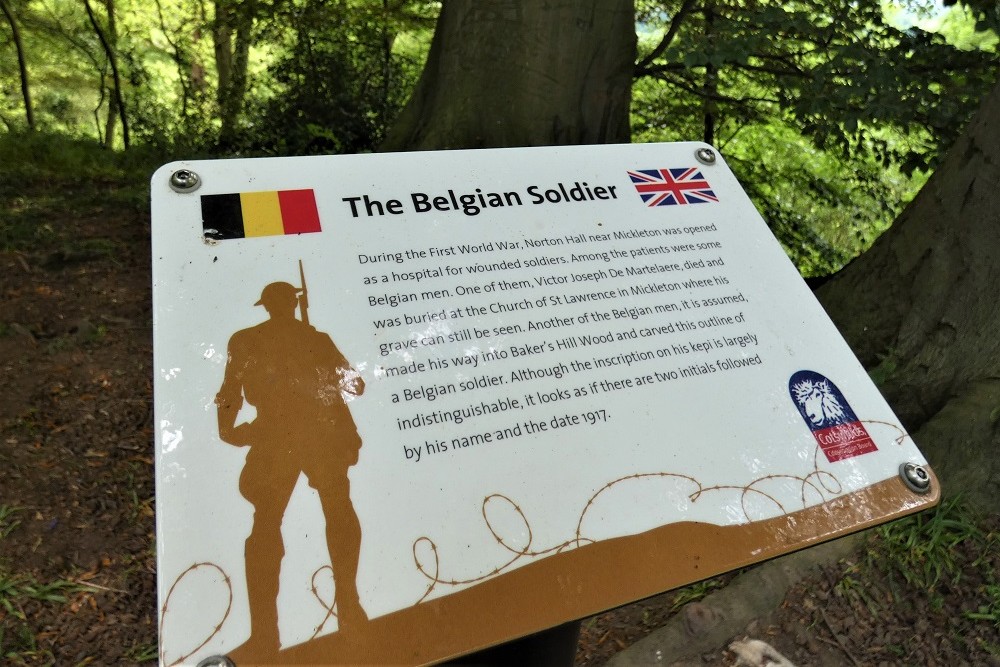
[915,477]
[217,661]
[705,155]
[184,181]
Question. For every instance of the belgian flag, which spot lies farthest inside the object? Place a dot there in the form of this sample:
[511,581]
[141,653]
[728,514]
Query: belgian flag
[246,214]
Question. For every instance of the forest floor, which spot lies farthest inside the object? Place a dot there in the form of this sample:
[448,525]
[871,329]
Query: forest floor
[920,591]
[77,540]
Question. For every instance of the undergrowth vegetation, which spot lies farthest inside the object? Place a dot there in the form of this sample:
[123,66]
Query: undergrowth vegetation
[48,180]
[18,594]
[939,568]
[925,550]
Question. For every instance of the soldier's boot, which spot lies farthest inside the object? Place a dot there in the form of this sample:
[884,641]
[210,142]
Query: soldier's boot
[345,572]
[343,539]
[263,568]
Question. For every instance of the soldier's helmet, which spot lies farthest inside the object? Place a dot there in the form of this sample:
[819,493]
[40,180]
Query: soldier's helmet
[277,294]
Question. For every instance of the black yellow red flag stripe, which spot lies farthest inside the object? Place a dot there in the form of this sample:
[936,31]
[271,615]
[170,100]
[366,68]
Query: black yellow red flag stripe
[248,214]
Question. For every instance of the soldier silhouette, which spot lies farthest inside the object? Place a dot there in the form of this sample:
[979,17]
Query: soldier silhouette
[293,375]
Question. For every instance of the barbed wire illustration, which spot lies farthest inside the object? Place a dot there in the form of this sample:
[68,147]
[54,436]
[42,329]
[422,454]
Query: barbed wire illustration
[330,608]
[821,482]
[166,608]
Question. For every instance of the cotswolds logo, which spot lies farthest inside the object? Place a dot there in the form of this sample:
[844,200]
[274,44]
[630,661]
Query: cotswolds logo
[247,214]
[837,430]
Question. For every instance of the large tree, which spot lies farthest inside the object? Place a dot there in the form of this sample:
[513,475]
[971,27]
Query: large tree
[824,109]
[836,71]
[232,33]
[920,309]
[519,73]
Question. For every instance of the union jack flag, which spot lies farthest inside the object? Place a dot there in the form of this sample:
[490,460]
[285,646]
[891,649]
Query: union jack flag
[666,187]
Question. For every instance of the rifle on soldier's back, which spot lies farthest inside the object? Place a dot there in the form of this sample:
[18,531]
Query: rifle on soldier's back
[304,296]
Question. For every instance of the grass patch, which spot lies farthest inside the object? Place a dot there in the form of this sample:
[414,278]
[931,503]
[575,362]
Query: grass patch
[17,589]
[695,592]
[142,653]
[54,159]
[19,647]
[20,596]
[923,549]
[852,586]
[48,180]
[8,520]
[990,611]
[76,251]
[936,573]
[928,556]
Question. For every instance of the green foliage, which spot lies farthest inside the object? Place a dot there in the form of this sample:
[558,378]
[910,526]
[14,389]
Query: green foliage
[40,172]
[142,653]
[695,592]
[991,610]
[830,115]
[172,99]
[838,73]
[8,520]
[69,70]
[985,12]
[922,548]
[17,592]
[824,208]
[338,76]
[958,24]
[342,67]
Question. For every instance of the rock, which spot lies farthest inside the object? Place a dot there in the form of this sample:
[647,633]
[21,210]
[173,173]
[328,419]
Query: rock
[699,618]
[757,653]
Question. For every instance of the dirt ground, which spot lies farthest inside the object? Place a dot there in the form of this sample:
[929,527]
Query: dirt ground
[77,543]
[860,611]
[77,555]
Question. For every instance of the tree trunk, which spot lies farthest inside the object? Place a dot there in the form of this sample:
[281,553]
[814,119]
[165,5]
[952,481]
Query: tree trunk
[521,73]
[711,85]
[388,37]
[109,124]
[109,51]
[506,73]
[921,308]
[231,59]
[222,40]
[22,63]
[186,70]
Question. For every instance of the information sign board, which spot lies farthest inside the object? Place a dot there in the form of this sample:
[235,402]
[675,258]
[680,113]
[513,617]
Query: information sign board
[412,405]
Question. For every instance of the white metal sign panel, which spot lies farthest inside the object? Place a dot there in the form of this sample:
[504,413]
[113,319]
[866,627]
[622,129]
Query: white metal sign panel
[411,405]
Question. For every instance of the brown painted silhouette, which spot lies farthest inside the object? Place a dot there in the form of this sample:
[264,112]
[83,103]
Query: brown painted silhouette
[580,582]
[293,375]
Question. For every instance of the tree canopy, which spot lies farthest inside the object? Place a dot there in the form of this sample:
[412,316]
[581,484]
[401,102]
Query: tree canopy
[825,110]
[832,114]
